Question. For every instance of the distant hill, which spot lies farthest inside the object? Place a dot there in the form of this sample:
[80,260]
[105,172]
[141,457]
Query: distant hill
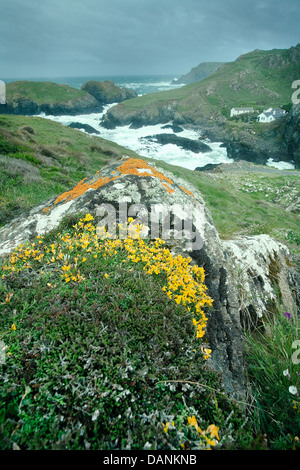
[198,73]
[33,97]
[258,79]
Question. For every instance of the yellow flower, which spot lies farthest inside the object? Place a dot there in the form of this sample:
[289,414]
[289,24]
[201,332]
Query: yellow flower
[8,297]
[167,425]
[88,217]
[66,268]
[13,327]
[207,352]
[193,422]
[213,431]
[106,275]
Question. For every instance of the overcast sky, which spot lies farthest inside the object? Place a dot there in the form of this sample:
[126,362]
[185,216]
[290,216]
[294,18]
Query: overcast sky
[56,38]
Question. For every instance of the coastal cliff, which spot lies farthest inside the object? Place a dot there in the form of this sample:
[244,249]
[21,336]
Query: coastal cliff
[261,79]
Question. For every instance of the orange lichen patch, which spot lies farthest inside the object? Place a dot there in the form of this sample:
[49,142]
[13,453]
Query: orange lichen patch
[133,165]
[82,187]
[187,192]
[46,209]
[170,190]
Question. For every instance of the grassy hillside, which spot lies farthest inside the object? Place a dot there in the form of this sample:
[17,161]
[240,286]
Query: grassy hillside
[42,92]
[96,355]
[40,158]
[259,79]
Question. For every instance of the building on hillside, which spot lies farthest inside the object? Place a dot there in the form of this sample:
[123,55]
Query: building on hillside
[270,114]
[239,111]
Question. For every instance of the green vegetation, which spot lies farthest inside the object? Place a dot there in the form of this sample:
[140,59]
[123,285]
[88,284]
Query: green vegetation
[259,79]
[200,72]
[56,157]
[40,159]
[42,92]
[272,358]
[247,203]
[91,360]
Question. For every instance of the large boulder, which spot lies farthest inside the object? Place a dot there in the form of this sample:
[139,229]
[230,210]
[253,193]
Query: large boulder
[86,127]
[191,145]
[155,113]
[244,276]
[108,92]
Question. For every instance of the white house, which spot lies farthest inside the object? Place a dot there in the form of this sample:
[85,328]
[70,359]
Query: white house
[270,114]
[239,111]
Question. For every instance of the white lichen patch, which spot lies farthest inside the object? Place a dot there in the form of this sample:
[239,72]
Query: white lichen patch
[251,265]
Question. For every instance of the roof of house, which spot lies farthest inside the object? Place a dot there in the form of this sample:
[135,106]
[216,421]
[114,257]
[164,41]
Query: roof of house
[243,109]
[276,112]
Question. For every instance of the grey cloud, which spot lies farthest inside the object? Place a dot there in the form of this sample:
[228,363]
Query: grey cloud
[75,37]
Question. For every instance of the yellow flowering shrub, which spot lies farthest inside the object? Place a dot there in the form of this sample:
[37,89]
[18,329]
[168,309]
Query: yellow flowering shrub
[182,281]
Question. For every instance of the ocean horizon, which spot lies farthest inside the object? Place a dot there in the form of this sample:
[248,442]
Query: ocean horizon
[141,84]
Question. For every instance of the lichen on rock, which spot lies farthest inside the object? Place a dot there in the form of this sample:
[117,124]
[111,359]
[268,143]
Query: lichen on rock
[245,274]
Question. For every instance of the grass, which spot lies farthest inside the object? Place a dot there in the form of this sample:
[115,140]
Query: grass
[91,360]
[41,159]
[247,203]
[272,362]
[259,79]
[42,92]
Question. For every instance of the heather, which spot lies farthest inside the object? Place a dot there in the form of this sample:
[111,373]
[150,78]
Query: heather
[105,348]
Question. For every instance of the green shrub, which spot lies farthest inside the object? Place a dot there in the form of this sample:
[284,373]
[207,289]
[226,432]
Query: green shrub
[99,356]
[271,373]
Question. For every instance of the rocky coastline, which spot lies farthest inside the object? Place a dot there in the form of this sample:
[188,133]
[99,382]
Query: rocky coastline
[279,143]
[31,98]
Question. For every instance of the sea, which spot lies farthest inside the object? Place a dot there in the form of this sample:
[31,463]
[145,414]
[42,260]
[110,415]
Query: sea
[137,139]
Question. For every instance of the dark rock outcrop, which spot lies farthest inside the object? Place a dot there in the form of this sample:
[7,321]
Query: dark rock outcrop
[86,127]
[108,92]
[291,135]
[258,264]
[174,128]
[156,113]
[246,145]
[27,107]
[195,146]
[208,167]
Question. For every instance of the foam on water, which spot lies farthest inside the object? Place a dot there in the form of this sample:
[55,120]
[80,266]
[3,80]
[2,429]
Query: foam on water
[280,165]
[135,139]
